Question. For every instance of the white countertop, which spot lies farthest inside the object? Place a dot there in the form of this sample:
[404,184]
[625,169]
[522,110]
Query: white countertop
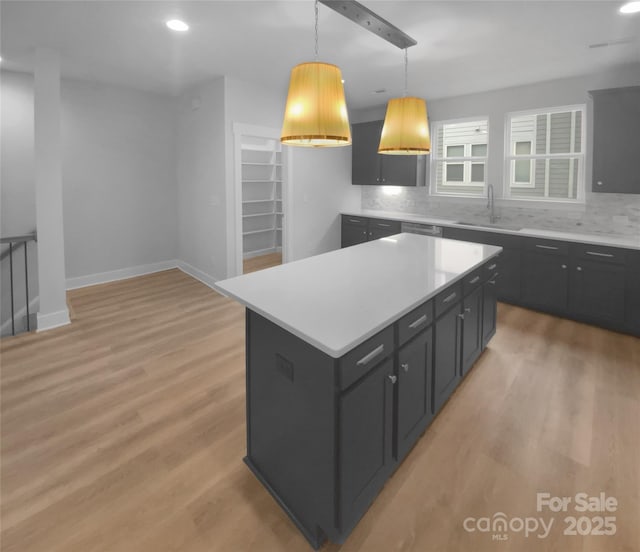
[337,300]
[613,241]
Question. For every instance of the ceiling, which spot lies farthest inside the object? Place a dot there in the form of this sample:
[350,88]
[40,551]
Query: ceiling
[463,46]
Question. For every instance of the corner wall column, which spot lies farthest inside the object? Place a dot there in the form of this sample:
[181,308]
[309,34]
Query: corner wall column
[53,309]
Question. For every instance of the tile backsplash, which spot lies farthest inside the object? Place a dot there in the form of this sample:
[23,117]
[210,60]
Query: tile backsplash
[604,214]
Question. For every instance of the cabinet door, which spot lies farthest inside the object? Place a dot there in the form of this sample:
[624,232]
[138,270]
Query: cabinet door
[597,291]
[354,231]
[446,368]
[616,127]
[632,307]
[415,361]
[471,329]
[365,160]
[545,281]
[366,448]
[379,228]
[489,310]
[508,285]
[400,170]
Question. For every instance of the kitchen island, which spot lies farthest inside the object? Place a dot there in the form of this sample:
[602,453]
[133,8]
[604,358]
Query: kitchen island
[350,355]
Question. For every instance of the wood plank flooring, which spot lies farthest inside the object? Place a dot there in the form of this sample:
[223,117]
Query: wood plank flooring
[261,261]
[125,431]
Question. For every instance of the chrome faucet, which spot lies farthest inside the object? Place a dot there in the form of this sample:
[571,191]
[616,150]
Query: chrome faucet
[491,205]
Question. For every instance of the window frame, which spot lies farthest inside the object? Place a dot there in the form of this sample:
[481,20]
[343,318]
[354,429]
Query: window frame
[467,160]
[510,157]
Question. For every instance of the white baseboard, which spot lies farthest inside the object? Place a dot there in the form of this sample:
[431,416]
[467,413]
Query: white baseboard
[50,320]
[122,274]
[198,274]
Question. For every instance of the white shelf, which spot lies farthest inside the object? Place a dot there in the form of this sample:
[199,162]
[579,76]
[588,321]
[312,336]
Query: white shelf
[251,232]
[261,214]
[260,200]
[262,164]
[265,180]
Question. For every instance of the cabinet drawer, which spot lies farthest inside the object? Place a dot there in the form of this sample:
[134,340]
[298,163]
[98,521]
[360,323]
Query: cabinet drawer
[364,357]
[550,247]
[413,323]
[356,221]
[392,226]
[473,280]
[598,253]
[447,298]
[491,268]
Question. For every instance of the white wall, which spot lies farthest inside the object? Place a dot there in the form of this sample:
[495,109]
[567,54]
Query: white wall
[200,174]
[17,172]
[119,178]
[119,150]
[321,183]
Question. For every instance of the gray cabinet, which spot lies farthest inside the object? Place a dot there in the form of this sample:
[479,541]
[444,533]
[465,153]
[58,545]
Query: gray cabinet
[508,288]
[471,328]
[446,366]
[616,140]
[545,275]
[366,461]
[368,167]
[597,284]
[415,366]
[357,230]
[632,292]
[489,308]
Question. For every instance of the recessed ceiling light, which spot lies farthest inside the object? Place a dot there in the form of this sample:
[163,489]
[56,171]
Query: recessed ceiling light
[630,7]
[177,25]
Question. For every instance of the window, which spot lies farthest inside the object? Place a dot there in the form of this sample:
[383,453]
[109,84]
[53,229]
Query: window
[460,157]
[545,154]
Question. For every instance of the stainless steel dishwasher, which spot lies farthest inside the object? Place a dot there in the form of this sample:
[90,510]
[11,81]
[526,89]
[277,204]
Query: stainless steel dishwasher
[424,229]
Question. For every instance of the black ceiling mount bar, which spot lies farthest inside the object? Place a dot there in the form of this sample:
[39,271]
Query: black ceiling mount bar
[371,21]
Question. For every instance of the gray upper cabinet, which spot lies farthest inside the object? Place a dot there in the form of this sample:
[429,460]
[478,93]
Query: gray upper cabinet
[616,140]
[370,168]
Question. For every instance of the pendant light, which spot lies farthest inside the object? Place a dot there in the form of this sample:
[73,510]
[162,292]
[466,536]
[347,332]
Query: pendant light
[406,127]
[316,111]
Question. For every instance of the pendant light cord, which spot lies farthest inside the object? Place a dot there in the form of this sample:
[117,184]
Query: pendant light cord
[316,28]
[406,73]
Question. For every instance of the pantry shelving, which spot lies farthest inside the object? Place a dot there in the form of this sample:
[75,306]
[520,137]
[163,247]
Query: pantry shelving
[262,212]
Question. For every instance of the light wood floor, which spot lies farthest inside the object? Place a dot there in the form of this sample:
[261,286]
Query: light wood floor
[125,431]
[262,261]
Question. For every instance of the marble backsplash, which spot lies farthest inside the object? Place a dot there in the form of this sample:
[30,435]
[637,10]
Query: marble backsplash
[603,214]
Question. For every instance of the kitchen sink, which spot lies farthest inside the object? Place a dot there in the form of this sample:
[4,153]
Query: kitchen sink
[490,225]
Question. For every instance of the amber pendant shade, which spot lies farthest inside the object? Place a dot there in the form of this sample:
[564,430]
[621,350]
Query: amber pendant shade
[316,111]
[406,128]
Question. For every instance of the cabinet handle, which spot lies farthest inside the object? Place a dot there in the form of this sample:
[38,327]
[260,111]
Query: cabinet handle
[450,297]
[418,322]
[382,225]
[491,267]
[579,268]
[461,316]
[354,220]
[492,282]
[468,309]
[478,277]
[596,254]
[392,378]
[563,266]
[368,357]
[553,248]
[405,366]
